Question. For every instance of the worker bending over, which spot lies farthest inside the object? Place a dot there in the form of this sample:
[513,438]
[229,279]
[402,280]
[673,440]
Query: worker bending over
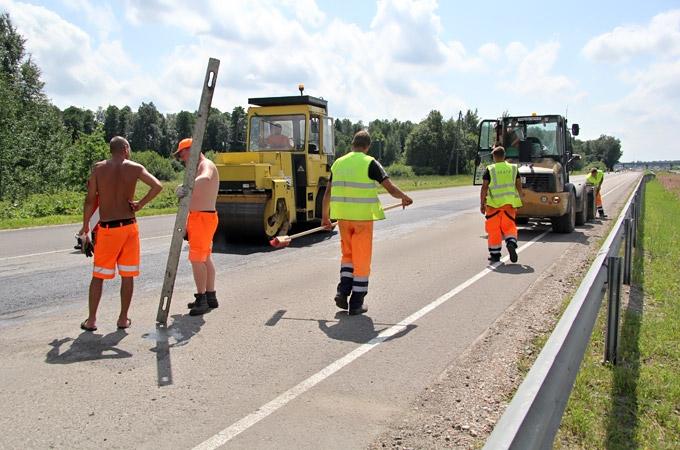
[201,227]
[352,198]
[500,198]
[596,178]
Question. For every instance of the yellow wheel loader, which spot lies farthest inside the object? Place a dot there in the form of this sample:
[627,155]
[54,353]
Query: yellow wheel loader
[541,146]
[281,177]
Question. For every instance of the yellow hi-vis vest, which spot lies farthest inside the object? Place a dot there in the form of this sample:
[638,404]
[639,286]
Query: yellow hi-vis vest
[502,190]
[354,196]
[597,179]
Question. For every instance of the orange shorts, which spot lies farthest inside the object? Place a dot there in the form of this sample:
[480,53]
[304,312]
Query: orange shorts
[201,227]
[116,246]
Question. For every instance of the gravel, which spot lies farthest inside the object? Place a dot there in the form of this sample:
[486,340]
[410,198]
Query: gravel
[462,406]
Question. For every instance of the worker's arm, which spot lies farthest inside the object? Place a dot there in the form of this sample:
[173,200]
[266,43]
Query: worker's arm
[482,196]
[326,207]
[396,192]
[90,203]
[518,186]
[155,187]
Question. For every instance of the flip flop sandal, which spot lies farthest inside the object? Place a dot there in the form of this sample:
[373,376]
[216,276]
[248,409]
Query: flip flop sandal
[129,324]
[85,327]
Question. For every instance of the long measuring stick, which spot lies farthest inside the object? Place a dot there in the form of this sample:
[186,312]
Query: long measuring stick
[189,176]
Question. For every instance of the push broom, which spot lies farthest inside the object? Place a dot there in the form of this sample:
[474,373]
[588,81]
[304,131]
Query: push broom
[284,241]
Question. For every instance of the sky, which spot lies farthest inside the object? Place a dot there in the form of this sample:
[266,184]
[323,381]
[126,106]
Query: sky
[613,67]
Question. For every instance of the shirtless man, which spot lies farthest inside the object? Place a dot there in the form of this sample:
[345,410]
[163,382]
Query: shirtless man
[276,139]
[112,183]
[201,227]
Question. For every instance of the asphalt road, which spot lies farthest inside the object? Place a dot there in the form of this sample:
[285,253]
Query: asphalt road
[275,366]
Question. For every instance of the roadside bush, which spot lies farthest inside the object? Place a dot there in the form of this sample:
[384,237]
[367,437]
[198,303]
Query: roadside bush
[424,170]
[400,170]
[159,166]
[43,205]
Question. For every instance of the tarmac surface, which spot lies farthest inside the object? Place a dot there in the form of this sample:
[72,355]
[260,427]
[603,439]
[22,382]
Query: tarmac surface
[276,365]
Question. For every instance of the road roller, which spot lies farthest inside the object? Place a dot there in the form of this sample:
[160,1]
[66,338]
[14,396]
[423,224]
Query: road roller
[281,177]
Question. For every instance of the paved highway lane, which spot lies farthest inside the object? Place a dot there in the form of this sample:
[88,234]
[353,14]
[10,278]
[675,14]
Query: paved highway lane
[275,366]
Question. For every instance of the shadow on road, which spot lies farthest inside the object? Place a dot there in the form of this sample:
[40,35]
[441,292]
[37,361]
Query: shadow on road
[249,246]
[359,329]
[181,330]
[514,268]
[87,347]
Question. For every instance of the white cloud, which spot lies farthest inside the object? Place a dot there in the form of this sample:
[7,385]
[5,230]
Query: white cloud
[98,14]
[660,37]
[533,76]
[490,52]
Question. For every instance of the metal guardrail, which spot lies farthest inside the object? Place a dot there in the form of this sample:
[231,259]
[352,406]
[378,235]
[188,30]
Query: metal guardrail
[533,417]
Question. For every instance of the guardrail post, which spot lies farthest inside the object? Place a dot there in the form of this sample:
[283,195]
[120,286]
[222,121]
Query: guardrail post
[628,250]
[614,302]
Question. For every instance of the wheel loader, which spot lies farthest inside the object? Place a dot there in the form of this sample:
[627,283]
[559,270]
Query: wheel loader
[541,147]
[281,177]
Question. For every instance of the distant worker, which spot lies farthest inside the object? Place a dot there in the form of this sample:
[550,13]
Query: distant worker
[500,198]
[201,227]
[352,198]
[596,178]
[276,139]
[112,183]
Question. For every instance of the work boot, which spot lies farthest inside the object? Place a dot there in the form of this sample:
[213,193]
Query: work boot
[494,258]
[356,303]
[211,296]
[341,301]
[200,305]
[512,249]
[602,215]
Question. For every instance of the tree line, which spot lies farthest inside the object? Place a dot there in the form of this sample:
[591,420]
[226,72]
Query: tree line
[45,150]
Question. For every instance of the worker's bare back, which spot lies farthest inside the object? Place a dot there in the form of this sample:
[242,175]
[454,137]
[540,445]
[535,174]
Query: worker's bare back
[206,186]
[116,182]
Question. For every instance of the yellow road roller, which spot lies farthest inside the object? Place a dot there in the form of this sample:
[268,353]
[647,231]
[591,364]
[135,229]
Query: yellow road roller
[281,177]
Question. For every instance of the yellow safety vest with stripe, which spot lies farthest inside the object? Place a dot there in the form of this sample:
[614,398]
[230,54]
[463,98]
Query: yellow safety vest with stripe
[597,179]
[354,196]
[502,190]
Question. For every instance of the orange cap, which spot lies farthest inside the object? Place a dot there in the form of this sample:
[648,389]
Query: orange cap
[183,144]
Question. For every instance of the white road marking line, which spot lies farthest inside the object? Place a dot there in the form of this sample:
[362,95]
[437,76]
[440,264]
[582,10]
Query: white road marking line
[248,421]
[69,249]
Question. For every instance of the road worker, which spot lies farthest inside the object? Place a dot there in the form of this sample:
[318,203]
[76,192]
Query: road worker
[276,139]
[351,197]
[112,184]
[201,227]
[596,178]
[500,198]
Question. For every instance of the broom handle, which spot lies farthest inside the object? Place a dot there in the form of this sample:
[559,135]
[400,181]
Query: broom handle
[314,230]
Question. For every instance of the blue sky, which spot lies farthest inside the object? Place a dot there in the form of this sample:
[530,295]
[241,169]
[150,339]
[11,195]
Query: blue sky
[614,66]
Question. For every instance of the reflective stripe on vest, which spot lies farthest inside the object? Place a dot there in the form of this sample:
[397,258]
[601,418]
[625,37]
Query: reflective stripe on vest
[502,190]
[354,196]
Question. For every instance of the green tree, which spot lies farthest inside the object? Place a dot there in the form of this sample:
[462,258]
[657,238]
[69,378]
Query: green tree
[237,128]
[111,121]
[81,156]
[425,146]
[146,128]
[184,124]
[125,119]
[217,131]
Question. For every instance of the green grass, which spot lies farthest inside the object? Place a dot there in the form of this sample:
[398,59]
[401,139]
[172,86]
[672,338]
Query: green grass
[166,202]
[636,403]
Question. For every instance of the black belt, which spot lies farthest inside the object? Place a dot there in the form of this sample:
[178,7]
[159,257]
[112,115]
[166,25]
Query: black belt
[117,223]
[208,211]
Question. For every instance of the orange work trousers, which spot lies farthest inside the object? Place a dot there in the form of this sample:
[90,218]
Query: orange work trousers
[598,198]
[356,241]
[500,225]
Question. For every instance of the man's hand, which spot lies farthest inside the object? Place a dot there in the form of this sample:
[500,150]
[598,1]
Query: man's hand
[326,222]
[180,192]
[405,201]
[482,209]
[135,205]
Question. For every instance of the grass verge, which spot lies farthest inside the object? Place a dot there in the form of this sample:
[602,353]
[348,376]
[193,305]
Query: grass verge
[636,403]
[166,202]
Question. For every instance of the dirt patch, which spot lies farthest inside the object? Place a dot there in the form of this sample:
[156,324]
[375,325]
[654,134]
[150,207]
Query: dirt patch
[462,407]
